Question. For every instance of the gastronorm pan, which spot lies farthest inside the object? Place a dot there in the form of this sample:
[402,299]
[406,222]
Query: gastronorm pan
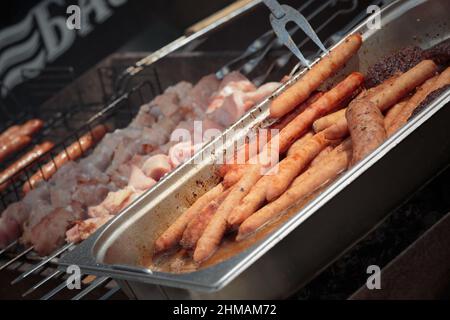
[314,235]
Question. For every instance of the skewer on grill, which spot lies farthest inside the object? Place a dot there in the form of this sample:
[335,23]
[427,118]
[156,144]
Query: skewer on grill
[8,247]
[42,282]
[16,258]
[55,291]
[42,263]
[96,283]
[110,293]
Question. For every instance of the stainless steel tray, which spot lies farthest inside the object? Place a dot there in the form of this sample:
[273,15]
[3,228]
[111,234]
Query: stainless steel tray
[278,264]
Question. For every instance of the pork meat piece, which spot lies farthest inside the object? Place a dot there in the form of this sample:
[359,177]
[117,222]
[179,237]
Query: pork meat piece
[10,231]
[236,80]
[166,104]
[198,98]
[261,93]
[157,166]
[90,194]
[11,223]
[49,233]
[181,152]
[83,229]
[115,200]
[181,89]
[139,181]
[144,118]
[230,110]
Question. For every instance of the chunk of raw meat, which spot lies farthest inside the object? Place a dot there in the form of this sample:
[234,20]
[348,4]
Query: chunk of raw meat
[83,229]
[157,166]
[200,95]
[10,230]
[48,234]
[139,181]
[181,152]
[233,84]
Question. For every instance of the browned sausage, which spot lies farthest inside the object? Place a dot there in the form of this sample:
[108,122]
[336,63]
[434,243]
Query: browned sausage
[366,124]
[197,225]
[326,67]
[233,172]
[9,133]
[71,153]
[31,127]
[12,146]
[22,162]
[328,102]
[214,232]
[172,235]
[428,87]
[305,184]
[17,137]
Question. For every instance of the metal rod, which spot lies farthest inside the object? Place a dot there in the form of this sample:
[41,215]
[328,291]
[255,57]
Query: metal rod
[42,263]
[96,283]
[110,293]
[20,255]
[42,282]
[52,293]
[8,247]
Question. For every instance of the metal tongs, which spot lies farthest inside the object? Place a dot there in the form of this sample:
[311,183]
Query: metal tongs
[280,17]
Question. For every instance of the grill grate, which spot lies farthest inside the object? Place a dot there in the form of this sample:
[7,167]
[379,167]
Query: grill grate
[116,114]
[67,124]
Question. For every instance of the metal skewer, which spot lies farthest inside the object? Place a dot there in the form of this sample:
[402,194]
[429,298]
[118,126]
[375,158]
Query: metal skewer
[11,245]
[42,263]
[97,282]
[20,255]
[110,293]
[54,291]
[42,282]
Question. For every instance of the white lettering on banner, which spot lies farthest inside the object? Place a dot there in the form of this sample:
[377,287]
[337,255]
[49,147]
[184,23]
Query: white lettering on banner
[19,49]
[55,34]
[99,9]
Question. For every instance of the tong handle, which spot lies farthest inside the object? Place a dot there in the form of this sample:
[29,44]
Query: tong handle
[303,23]
[276,8]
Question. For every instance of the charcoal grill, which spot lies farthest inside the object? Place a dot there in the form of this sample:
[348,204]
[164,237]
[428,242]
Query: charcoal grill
[123,90]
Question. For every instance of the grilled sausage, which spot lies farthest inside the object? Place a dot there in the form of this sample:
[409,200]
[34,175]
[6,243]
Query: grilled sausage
[31,127]
[366,124]
[71,153]
[319,73]
[9,133]
[24,161]
[12,146]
